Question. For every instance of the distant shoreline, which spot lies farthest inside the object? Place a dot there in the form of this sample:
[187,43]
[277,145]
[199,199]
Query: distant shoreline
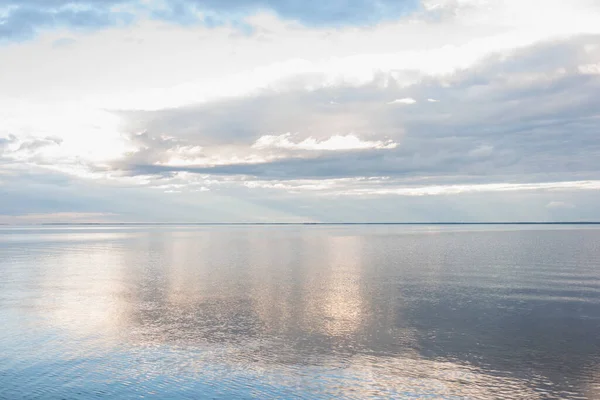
[295,223]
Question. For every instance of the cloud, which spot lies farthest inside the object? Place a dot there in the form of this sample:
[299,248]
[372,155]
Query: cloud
[23,19]
[590,69]
[161,149]
[63,43]
[482,151]
[309,113]
[14,144]
[59,217]
[35,144]
[484,114]
[334,143]
[559,204]
[27,149]
[436,190]
[6,141]
[506,120]
[406,100]
[312,13]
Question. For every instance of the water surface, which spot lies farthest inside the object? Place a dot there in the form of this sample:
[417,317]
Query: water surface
[300,312]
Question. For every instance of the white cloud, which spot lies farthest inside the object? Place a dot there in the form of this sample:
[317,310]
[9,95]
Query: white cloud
[141,62]
[86,133]
[406,100]
[559,204]
[590,69]
[334,143]
[436,190]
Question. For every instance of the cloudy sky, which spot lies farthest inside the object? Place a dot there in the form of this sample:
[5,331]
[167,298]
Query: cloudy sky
[299,110]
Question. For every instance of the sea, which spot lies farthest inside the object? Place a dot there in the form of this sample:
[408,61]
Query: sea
[300,312]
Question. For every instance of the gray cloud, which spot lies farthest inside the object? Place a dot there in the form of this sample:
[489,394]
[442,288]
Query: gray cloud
[34,190]
[35,144]
[26,148]
[154,149]
[39,191]
[246,119]
[514,119]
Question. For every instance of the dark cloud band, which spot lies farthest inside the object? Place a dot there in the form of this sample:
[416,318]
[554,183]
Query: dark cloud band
[511,117]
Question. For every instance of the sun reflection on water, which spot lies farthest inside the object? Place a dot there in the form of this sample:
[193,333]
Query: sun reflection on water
[331,312]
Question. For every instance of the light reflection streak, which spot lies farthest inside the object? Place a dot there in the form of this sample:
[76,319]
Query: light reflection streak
[288,301]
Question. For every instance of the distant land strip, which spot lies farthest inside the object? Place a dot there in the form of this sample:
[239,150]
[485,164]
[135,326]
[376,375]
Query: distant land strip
[301,223]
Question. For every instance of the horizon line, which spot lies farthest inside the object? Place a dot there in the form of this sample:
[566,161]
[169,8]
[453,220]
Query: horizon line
[303,223]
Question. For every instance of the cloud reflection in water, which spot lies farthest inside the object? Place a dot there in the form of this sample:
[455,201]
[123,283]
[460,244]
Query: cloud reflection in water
[336,311]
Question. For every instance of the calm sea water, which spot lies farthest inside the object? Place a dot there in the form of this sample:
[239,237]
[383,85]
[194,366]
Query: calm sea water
[300,312]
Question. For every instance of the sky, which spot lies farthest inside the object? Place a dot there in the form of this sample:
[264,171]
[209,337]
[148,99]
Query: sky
[299,111]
